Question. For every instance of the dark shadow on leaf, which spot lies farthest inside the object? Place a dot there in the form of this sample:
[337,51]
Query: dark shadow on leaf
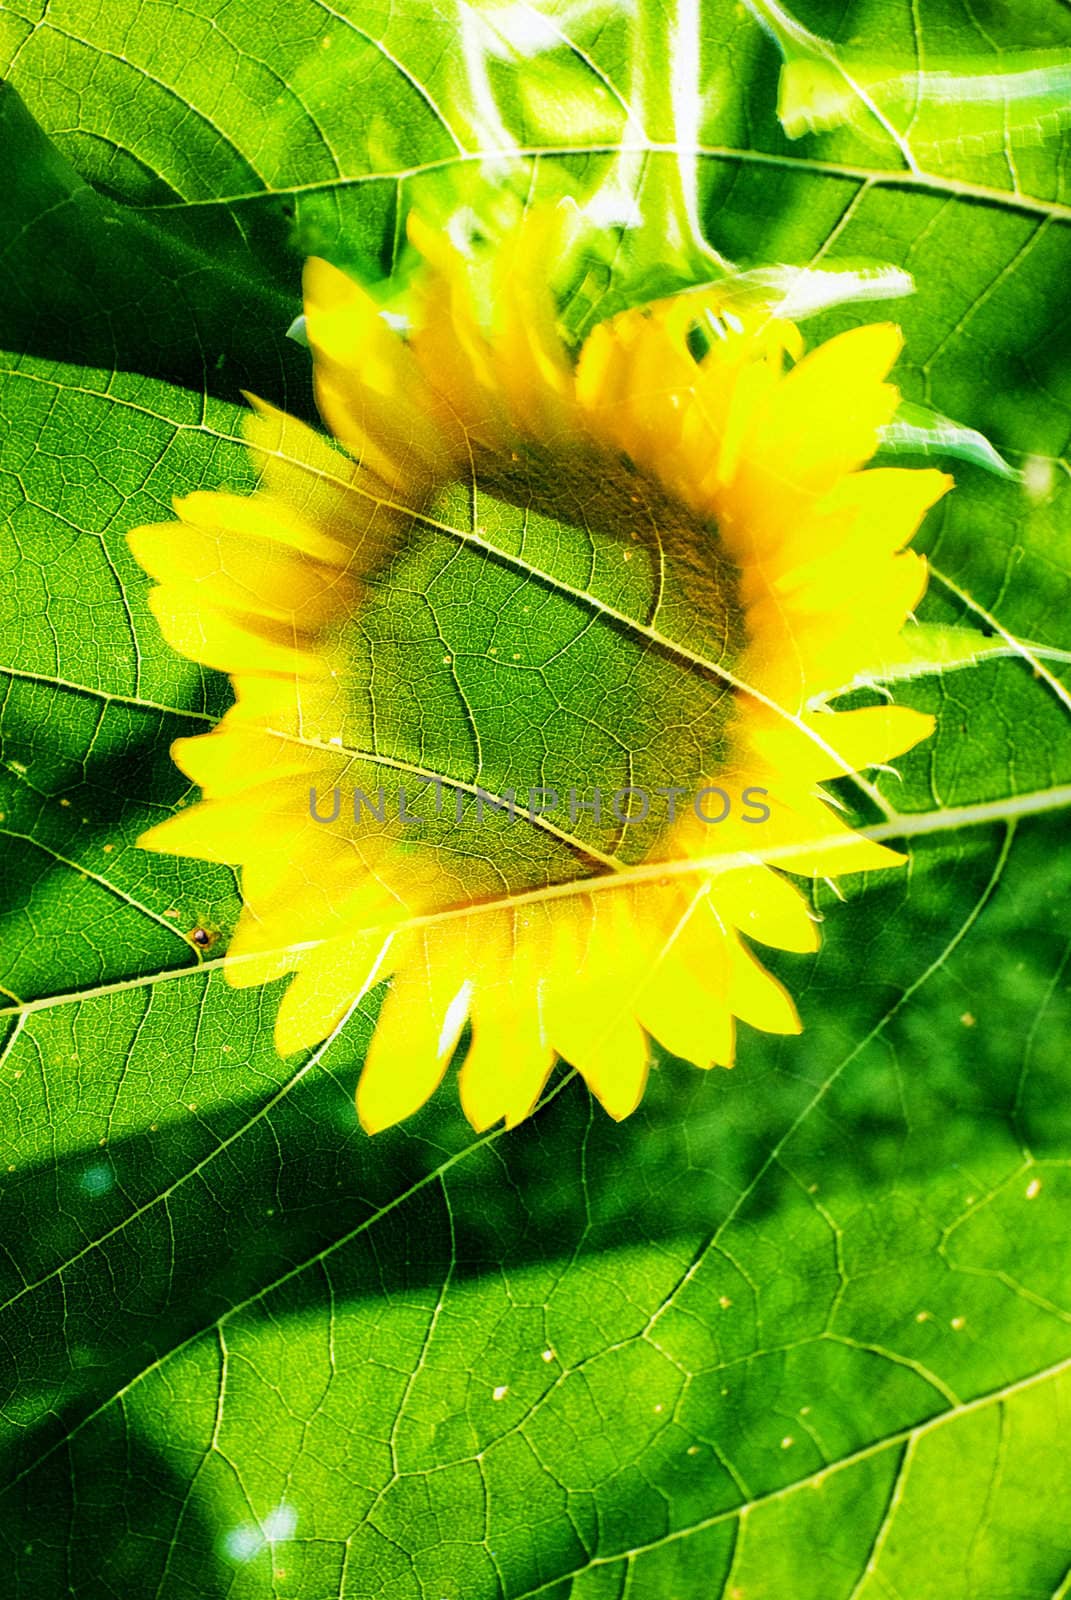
[65,815]
[113,1518]
[192,294]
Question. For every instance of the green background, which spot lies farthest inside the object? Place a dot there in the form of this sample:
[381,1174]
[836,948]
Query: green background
[798,1330]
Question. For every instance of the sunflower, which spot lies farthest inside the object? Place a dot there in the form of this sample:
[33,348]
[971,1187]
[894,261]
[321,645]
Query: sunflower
[640,570]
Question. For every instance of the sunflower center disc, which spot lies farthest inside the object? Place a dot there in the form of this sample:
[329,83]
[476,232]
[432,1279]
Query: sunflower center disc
[551,637]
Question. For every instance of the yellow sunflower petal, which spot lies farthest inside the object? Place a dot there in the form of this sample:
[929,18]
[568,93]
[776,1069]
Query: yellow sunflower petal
[510,1057]
[757,997]
[222,762]
[417,1033]
[862,738]
[496,1057]
[226,640]
[261,516]
[865,517]
[452,348]
[606,1046]
[535,376]
[596,962]
[824,418]
[319,894]
[685,1002]
[330,981]
[505,1070]
[806,644]
[250,576]
[318,486]
[219,830]
[369,386]
[765,907]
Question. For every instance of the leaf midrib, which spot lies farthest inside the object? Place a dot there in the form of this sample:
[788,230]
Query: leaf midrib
[869,177]
[909,825]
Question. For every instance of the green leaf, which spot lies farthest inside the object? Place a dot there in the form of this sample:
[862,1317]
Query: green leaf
[801,1329]
[915,430]
[971,101]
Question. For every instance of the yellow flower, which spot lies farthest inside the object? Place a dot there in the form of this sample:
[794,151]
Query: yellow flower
[654,563]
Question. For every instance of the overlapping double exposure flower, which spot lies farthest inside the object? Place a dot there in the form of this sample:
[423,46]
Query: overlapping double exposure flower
[641,569]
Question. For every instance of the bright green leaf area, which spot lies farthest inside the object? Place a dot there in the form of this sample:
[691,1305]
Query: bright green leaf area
[795,1332]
